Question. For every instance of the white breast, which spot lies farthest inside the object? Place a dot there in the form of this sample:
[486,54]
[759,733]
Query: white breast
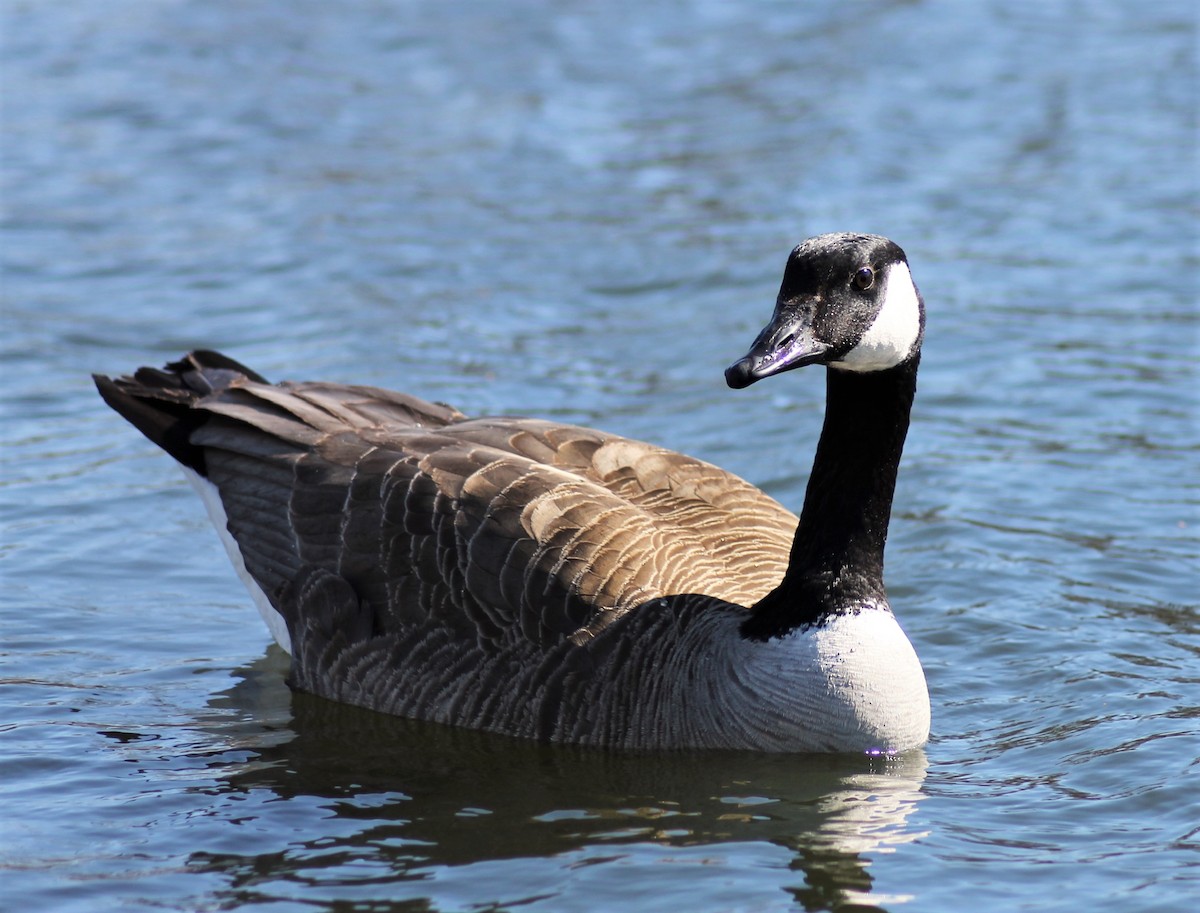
[852,684]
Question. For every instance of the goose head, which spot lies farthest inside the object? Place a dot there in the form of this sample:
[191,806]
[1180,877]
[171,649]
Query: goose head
[847,301]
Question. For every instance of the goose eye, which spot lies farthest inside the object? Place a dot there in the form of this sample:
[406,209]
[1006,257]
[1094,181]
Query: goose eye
[864,279]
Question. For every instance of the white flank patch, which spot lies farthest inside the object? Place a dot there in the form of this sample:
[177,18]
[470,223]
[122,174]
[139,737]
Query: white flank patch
[890,339]
[216,512]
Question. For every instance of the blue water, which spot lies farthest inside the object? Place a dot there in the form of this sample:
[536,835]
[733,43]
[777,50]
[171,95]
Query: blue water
[582,211]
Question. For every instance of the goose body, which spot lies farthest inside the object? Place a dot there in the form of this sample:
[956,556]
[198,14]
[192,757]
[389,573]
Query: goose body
[551,581]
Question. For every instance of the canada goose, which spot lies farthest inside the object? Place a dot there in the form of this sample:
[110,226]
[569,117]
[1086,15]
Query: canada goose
[549,581]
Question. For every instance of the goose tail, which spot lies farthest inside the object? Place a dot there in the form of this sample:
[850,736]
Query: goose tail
[160,402]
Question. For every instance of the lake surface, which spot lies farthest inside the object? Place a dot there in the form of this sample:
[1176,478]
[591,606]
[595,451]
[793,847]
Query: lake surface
[582,211]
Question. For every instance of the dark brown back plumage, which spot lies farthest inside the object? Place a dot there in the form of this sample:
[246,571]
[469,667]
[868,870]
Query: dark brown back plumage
[403,542]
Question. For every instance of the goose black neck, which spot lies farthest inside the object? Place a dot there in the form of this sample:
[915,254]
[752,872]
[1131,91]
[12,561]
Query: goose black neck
[836,563]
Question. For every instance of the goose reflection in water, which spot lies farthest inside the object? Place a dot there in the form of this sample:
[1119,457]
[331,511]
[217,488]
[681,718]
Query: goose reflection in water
[308,786]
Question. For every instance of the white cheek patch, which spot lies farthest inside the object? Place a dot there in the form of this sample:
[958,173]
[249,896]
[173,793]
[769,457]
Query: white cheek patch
[890,339]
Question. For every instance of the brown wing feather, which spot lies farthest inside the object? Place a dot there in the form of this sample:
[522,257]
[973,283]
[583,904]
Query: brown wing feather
[498,528]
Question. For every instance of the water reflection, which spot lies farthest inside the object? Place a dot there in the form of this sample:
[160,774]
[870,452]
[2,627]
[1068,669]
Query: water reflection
[399,801]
